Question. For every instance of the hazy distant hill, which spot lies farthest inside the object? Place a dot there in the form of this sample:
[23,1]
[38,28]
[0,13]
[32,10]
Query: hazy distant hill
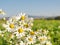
[46,17]
[38,16]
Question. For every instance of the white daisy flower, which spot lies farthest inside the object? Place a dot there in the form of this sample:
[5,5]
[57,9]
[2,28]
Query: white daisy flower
[2,12]
[30,40]
[42,39]
[20,33]
[10,27]
[45,32]
[23,16]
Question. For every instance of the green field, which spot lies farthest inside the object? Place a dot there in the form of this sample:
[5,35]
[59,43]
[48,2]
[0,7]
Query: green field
[51,25]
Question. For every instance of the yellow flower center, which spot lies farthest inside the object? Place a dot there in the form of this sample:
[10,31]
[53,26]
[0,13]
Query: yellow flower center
[22,17]
[11,25]
[32,33]
[30,39]
[26,25]
[20,30]
[42,39]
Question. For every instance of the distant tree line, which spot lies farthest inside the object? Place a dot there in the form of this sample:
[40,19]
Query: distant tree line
[56,18]
[51,18]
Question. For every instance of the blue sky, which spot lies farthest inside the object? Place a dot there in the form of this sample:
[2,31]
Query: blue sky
[31,7]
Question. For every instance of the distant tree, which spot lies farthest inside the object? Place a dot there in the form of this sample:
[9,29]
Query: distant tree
[57,18]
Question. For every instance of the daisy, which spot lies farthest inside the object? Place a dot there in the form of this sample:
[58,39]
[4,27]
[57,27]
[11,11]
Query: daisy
[20,32]
[23,16]
[10,27]
[45,32]
[42,39]
[2,12]
[30,40]
[32,33]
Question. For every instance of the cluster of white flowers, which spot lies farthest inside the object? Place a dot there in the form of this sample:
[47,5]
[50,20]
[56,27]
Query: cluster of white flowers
[21,33]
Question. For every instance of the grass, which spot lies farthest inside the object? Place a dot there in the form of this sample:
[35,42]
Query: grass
[51,25]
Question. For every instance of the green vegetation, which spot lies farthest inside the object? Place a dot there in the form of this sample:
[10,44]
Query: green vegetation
[1,22]
[52,25]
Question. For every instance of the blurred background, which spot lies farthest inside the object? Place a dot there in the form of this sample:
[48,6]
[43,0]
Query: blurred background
[47,9]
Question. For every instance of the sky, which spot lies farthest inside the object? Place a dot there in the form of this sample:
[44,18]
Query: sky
[31,7]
